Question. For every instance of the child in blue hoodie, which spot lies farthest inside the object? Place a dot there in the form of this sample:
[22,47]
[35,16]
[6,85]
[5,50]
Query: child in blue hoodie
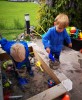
[54,38]
[19,53]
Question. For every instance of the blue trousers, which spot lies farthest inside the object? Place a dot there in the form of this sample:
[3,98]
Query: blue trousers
[56,55]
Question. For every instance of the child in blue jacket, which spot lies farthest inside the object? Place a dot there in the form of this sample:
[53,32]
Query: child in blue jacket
[19,53]
[54,38]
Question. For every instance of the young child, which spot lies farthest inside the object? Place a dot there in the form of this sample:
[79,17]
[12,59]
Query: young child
[54,38]
[19,53]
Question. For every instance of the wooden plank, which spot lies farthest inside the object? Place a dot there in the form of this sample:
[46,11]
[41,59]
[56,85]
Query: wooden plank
[45,67]
[41,55]
[50,93]
[60,75]
[1,51]
[4,56]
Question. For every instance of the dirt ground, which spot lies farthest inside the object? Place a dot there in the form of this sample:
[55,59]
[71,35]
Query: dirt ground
[36,84]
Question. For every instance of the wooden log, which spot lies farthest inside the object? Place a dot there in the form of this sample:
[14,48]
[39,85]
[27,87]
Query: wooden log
[50,93]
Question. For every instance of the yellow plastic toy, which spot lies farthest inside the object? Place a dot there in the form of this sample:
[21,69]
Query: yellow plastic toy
[38,64]
[80,35]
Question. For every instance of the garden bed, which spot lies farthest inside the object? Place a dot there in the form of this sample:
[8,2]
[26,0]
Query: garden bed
[37,87]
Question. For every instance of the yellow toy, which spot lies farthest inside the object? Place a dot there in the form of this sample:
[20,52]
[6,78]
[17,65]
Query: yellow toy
[38,64]
[80,35]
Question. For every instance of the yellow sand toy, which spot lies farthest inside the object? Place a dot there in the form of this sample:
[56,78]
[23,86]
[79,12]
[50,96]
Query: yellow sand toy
[38,64]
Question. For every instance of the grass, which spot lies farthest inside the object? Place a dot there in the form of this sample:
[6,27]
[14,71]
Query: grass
[11,34]
[12,15]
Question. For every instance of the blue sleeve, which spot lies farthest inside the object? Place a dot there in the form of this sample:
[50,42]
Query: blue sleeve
[46,38]
[6,45]
[67,37]
[3,41]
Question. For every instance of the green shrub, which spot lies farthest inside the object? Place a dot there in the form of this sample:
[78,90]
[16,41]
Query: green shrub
[45,18]
[47,13]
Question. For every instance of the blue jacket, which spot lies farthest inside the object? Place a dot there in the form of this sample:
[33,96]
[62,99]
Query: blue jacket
[6,46]
[55,40]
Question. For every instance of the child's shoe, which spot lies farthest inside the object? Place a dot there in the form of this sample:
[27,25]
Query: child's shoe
[56,63]
[51,63]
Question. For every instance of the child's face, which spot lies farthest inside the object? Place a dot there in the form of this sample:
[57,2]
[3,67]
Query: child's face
[59,28]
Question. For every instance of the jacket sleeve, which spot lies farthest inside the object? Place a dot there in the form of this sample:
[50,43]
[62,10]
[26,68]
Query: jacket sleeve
[67,37]
[4,45]
[46,38]
[3,41]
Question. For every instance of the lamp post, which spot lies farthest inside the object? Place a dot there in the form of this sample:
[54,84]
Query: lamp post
[27,19]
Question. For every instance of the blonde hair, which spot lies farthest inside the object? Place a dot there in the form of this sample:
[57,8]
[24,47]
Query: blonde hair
[62,19]
[17,51]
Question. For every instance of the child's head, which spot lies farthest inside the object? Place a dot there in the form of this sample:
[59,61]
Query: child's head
[61,22]
[17,51]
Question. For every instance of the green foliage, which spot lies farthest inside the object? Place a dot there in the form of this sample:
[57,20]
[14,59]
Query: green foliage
[73,9]
[11,34]
[42,1]
[4,0]
[12,21]
[2,26]
[47,14]
[17,24]
[12,13]
[45,18]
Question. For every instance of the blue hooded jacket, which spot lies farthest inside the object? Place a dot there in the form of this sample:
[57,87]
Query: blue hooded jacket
[55,40]
[6,46]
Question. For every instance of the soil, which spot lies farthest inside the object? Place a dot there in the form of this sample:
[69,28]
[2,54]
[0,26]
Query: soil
[35,84]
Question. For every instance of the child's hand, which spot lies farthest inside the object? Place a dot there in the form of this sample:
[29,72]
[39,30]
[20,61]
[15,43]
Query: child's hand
[70,45]
[48,50]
